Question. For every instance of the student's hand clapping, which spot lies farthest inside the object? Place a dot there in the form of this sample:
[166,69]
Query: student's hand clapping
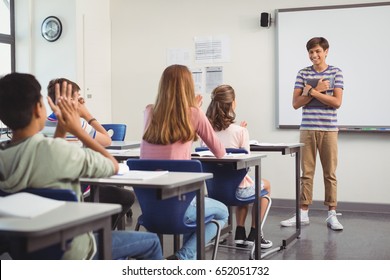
[199,100]
[244,124]
[66,109]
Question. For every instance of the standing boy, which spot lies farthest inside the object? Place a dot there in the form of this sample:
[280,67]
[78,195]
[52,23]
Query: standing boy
[319,90]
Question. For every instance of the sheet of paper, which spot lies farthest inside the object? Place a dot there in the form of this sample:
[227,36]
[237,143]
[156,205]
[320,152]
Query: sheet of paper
[256,143]
[27,205]
[214,77]
[140,175]
[203,154]
[118,152]
[212,49]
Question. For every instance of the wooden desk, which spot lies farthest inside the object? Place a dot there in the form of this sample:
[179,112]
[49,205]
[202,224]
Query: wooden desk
[124,145]
[240,162]
[287,149]
[169,185]
[62,224]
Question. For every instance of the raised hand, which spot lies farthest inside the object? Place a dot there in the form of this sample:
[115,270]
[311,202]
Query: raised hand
[66,109]
[243,124]
[199,100]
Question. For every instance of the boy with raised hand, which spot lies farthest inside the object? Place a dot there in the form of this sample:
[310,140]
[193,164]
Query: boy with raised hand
[107,194]
[32,160]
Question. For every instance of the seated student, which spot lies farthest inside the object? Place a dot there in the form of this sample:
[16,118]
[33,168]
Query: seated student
[221,114]
[31,160]
[107,194]
[171,126]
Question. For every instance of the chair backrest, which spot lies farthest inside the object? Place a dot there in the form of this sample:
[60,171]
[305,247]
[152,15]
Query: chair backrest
[225,181]
[118,131]
[164,216]
[54,251]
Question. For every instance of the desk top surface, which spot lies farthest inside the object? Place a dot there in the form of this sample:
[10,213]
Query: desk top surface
[281,147]
[68,215]
[170,180]
[136,153]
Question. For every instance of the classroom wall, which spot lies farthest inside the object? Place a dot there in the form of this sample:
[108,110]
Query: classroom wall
[82,53]
[141,33]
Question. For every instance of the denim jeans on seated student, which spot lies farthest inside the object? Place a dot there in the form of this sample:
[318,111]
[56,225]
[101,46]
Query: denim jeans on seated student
[212,207]
[135,245]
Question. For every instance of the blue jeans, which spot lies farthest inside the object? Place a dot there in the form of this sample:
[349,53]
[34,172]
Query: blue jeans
[212,207]
[135,244]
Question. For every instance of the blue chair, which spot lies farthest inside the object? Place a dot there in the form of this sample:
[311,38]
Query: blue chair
[54,252]
[167,216]
[223,185]
[118,131]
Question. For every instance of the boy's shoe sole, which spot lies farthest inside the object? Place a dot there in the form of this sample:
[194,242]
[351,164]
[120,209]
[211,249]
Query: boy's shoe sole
[335,228]
[288,223]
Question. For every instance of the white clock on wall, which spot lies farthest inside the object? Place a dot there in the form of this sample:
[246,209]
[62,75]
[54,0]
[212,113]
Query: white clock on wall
[51,28]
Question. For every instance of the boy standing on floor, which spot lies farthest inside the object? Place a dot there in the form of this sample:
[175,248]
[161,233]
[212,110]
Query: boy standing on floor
[319,90]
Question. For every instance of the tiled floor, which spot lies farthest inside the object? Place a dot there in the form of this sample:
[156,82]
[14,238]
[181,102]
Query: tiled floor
[366,236]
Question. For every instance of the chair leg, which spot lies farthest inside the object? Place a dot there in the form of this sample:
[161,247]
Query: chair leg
[176,243]
[266,211]
[217,237]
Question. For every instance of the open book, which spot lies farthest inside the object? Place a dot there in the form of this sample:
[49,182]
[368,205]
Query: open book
[27,205]
[140,175]
[206,153]
[210,154]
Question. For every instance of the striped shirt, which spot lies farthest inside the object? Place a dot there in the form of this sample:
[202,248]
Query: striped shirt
[320,117]
[51,124]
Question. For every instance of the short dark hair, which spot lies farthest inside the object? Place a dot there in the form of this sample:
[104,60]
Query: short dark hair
[52,83]
[317,41]
[19,93]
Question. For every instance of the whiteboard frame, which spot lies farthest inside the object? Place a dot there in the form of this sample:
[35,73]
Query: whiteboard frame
[295,121]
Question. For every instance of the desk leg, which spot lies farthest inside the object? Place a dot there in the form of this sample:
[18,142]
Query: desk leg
[257,206]
[200,229]
[105,241]
[297,200]
[298,191]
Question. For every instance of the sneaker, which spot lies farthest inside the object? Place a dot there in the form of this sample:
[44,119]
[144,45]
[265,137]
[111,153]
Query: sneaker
[332,220]
[292,221]
[240,236]
[265,244]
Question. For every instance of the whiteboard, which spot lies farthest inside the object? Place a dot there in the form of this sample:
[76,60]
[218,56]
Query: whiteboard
[359,44]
